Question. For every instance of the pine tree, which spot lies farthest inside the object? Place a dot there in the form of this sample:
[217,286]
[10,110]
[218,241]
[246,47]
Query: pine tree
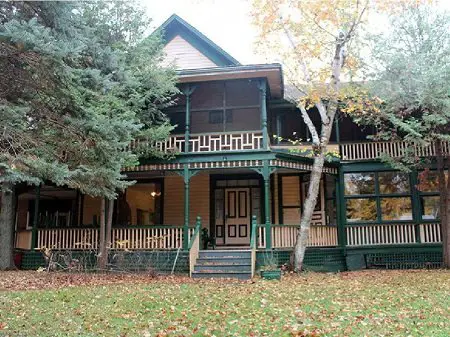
[78,90]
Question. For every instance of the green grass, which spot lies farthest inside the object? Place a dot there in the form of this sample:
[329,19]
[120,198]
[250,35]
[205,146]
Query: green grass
[375,303]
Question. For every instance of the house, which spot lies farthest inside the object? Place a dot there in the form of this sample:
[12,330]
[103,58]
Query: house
[232,177]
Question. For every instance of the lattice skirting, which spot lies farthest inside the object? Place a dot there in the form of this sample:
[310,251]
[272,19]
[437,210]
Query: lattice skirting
[159,261]
[316,259]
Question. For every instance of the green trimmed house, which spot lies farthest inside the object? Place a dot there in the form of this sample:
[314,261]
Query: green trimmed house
[233,193]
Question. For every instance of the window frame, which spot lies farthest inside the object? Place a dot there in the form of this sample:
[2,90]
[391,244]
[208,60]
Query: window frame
[377,196]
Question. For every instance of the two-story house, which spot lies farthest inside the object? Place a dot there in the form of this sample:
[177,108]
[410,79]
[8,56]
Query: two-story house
[231,163]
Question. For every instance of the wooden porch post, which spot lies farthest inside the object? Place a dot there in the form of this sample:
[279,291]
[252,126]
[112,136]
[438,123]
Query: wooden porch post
[278,121]
[263,90]
[336,128]
[186,179]
[340,209]
[35,217]
[187,92]
[266,177]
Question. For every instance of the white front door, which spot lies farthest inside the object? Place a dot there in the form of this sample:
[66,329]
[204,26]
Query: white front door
[237,216]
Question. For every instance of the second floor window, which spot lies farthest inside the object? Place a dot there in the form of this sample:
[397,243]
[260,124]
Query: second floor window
[218,116]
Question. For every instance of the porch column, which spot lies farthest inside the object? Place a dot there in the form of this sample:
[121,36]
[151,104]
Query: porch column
[187,92]
[263,90]
[35,217]
[186,179]
[340,209]
[268,227]
[336,128]
[278,127]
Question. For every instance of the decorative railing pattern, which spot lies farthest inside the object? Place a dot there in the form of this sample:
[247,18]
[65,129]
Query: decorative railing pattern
[285,236]
[210,142]
[430,233]
[131,238]
[388,234]
[68,238]
[396,149]
[161,237]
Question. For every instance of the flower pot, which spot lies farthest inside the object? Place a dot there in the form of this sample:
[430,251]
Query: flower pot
[271,274]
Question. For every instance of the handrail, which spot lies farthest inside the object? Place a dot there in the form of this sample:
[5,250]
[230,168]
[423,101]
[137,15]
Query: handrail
[253,233]
[194,246]
[253,244]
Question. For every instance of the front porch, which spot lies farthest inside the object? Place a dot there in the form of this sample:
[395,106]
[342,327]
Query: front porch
[159,212]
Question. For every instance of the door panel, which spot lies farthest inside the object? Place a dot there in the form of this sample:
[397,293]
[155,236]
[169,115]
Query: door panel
[237,216]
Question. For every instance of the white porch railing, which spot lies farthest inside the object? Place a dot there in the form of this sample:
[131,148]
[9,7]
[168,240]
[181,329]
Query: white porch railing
[285,236]
[68,238]
[430,233]
[369,235]
[132,238]
[211,142]
[396,149]
[393,234]
[147,238]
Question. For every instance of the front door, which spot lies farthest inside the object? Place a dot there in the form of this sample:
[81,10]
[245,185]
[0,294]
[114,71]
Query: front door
[237,216]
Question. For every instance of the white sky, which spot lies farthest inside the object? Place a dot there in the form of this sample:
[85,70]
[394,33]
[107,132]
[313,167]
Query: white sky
[226,22]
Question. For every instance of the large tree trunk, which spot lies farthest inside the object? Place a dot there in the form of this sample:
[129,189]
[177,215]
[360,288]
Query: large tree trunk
[446,228]
[7,213]
[444,200]
[308,209]
[102,256]
[109,225]
[327,115]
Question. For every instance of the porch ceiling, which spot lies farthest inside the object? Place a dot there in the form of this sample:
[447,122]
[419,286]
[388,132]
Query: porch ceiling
[272,72]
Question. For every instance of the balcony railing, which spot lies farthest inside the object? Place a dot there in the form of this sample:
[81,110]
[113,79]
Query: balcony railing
[211,142]
[396,149]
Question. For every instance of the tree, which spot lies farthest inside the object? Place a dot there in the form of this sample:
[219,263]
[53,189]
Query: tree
[314,39]
[74,99]
[410,77]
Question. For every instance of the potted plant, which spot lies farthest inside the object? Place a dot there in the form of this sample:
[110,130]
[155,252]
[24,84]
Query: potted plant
[270,269]
[208,240]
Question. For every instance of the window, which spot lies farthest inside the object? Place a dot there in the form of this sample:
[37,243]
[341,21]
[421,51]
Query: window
[428,186]
[216,116]
[361,210]
[383,196]
[359,183]
[141,205]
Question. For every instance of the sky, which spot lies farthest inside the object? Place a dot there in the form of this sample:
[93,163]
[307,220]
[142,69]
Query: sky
[226,22]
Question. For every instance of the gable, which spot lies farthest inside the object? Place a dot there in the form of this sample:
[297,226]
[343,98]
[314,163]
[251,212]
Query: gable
[183,55]
[184,43]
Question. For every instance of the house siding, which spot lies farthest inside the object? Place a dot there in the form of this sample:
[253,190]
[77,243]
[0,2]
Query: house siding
[183,55]
[174,200]
[91,209]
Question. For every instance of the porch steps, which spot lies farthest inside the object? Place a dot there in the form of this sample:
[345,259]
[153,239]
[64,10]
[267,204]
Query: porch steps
[223,264]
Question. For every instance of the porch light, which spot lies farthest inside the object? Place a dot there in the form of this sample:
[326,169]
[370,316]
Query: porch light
[155,194]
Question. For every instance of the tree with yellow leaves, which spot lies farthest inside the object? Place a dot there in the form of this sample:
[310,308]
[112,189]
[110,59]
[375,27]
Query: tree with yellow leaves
[316,42]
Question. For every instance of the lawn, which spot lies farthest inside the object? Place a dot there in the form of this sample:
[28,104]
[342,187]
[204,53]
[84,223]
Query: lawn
[370,303]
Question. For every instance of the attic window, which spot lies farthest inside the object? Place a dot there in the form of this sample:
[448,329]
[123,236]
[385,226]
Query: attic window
[217,116]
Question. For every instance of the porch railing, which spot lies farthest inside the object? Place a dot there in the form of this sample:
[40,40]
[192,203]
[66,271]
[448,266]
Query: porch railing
[68,238]
[430,233]
[210,142]
[131,238]
[396,149]
[285,236]
[393,234]
[194,246]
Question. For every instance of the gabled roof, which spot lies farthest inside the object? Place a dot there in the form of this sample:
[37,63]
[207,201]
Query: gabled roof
[175,25]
